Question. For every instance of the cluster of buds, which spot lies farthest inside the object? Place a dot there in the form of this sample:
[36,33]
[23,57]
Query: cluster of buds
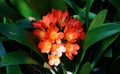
[58,34]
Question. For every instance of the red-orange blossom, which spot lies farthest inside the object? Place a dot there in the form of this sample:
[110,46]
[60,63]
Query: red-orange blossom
[58,33]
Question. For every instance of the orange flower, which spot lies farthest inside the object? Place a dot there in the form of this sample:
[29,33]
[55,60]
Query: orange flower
[54,60]
[71,49]
[39,24]
[45,46]
[77,26]
[49,20]
[61,17]
[54,35]
[58,33]
[71,35]
[39,33]
[58,49]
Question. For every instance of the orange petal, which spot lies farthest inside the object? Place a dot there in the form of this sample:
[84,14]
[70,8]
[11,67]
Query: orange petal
[45,46]
[69,55]
[60,35]
[54,60]
[39,33]
[76,46]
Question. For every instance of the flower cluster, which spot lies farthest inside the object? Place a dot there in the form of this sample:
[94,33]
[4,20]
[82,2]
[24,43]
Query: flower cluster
[58,33]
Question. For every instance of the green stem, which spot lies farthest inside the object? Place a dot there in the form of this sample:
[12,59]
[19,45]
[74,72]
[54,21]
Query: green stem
[80,61]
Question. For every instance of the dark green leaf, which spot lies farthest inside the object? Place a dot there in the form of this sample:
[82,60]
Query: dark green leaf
[79,18]
[87,9]
[15,33]
[25,9]
[16,58]
[86,68]
[7,20]
[116,3]
[105,43]
[2,50]
[13,69]
[57,4]
[99,19]
[6,11]
[108,53]
[99,33]
[79,11]
[24,23]
[40,6]
[88,5]
[4,38]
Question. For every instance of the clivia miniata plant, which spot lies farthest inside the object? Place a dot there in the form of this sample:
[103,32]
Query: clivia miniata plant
[59,37]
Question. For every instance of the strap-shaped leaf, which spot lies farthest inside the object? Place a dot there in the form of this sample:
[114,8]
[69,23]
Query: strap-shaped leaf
[98,20]
[24,23]
[40,6]
[87,9]
[57,4]
[86,68]
[25,9]
[79,10]
[104,45]
[16,58]
[2,50]
[6,11]
[13,32]
[13,69]
[99,33]
[116,3]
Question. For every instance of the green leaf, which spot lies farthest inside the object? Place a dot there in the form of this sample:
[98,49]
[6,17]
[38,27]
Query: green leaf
[104,45]
[79,11]
[2,50]
[40,6]
[24,8]
[108,53]
[13,69]
[88,5]
[87,9]
[6,11]
[13,32]
[4,38]
[16,58]
[116,3]
[99,19]
[24,23]
[57,4]
[99,33]
[79,18]
[86,68]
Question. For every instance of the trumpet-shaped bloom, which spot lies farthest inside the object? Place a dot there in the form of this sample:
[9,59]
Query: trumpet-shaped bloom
[45,46]
[71,49]
[54,35]
[58,49]
[71,35]
[49,20]
[40,33]
[54,60]
[61,17]
[39,24]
